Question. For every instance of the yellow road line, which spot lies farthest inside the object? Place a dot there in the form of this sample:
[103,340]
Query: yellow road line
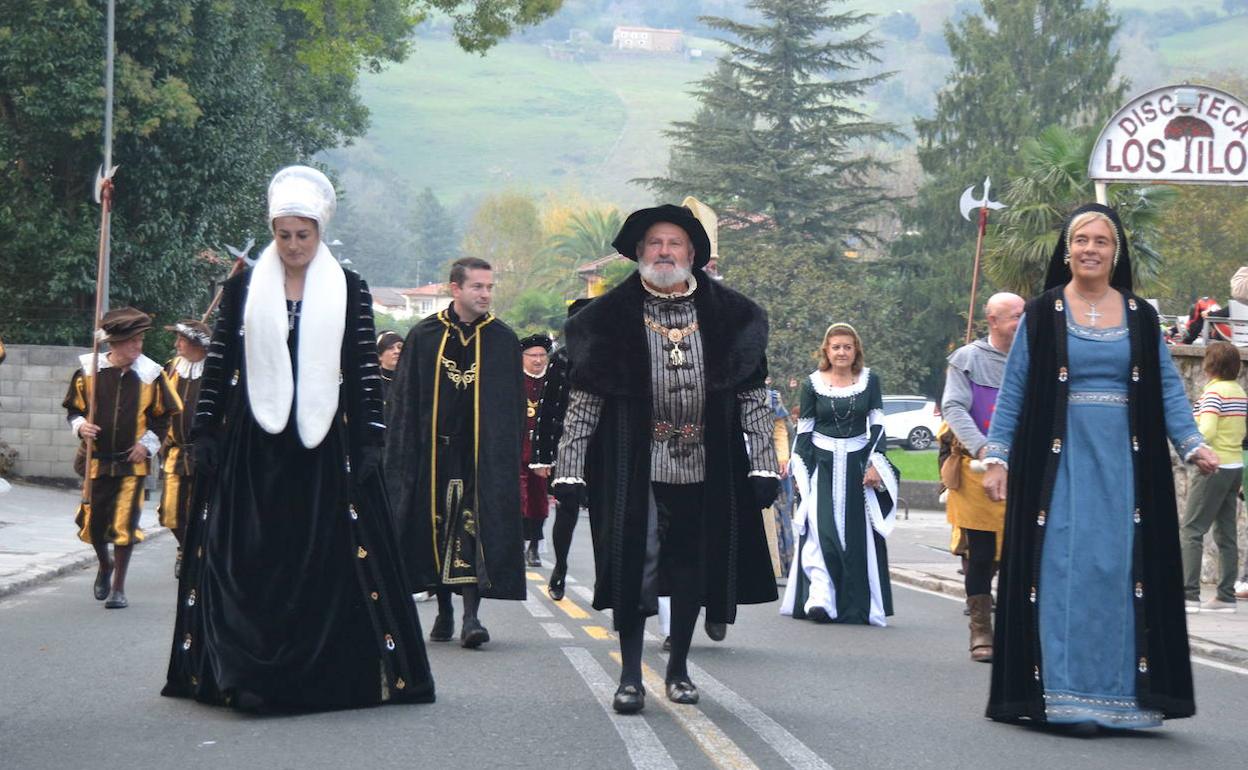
[536,577]
[715,744]
[597,632]
[569,607]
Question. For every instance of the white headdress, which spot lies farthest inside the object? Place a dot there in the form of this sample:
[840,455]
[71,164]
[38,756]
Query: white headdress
[297,191]
[301,191]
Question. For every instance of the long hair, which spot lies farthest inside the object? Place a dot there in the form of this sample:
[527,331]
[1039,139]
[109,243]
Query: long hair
[841,330]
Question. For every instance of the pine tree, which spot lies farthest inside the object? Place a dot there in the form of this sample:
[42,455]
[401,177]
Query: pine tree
[434,239]
[778,141]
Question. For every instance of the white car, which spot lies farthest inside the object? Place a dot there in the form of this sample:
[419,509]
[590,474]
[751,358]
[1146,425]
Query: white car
[911,421]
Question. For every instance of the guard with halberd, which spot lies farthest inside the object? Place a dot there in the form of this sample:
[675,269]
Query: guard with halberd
[133,404]
[668,421]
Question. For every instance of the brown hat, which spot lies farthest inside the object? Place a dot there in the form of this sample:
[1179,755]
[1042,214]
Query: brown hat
[195,331]
[122,324]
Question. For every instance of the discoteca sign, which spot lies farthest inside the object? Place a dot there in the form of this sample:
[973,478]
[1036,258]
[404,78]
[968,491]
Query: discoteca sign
[1184,133]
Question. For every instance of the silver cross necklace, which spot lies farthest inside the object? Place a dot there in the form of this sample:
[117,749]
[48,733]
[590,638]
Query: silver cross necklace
[1091,314]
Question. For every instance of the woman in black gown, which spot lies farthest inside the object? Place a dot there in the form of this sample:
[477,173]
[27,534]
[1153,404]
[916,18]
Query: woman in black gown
[292,594]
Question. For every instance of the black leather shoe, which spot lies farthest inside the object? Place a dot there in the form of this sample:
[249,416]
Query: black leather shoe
[716,631]
[102,580]
[629,699]
[443,629]
[819,615]
[530,556]
[555,587]
[473,634]
[667,644]
[116,601]
[682,691]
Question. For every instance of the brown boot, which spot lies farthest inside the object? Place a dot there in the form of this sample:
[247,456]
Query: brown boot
[980,606]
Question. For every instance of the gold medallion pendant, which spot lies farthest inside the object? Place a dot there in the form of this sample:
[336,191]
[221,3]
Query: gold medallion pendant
[531,411]
[677,355]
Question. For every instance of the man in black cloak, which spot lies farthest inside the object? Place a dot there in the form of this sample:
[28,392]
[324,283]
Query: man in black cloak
[455,420]
[667,374]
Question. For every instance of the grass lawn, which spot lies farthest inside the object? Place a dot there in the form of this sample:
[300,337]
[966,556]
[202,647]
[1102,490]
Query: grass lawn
[915,466]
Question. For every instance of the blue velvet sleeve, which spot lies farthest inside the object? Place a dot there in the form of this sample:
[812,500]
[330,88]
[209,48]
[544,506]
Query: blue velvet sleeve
[1010,397]
[1180,425]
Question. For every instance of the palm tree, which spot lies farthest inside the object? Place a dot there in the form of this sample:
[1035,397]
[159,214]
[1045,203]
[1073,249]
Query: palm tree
[1052,184]
[588,235]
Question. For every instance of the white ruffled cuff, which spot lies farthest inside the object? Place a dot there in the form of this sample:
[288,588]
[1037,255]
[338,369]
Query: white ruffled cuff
[764,474]
[568,480]
[75,424]
[150,442]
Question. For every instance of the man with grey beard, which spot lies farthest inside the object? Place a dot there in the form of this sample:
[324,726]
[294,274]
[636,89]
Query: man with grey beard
[667,436]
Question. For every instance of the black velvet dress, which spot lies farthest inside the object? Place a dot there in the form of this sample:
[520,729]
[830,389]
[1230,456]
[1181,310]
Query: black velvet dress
[293,596]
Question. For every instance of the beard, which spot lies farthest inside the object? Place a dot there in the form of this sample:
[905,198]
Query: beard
[664,279]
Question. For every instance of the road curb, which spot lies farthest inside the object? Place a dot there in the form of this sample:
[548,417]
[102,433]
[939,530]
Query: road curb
[62,566]
[1200,647]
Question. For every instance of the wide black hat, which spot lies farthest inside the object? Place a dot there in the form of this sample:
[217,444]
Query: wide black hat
[537,341]
[1059,271]
[122,324]
[577,305]
[640,221]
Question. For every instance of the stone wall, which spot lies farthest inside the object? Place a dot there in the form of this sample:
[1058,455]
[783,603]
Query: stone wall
[33,381]
[1190,360]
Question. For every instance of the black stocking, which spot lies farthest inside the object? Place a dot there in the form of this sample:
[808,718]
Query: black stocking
[444,603]
[630,653]
[101,554]
[686,603]
[472,600]
[121,555]
[561,534]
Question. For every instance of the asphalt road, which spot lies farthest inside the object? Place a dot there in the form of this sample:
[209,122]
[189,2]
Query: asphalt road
[79,687]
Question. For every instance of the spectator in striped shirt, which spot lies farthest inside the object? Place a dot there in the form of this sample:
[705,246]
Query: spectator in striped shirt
[1211,501]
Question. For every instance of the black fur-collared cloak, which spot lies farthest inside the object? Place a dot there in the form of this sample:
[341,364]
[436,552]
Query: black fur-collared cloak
[410,416]
[610,358]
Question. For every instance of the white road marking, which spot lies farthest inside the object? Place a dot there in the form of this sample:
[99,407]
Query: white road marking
[535,606]
[556,631]
[1210,662]
[714,742]
[796,753]
[644,748]
[585,592]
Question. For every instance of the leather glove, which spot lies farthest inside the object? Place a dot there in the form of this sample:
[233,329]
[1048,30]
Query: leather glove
[765,490]
[569,494]
[366,463]
[206,455]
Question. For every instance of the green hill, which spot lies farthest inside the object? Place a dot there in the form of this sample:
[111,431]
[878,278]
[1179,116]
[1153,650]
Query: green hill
[465,125]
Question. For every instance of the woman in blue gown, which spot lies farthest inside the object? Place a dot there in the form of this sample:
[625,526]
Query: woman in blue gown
[1090,623]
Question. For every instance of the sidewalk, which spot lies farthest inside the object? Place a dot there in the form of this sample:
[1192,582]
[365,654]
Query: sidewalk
[38,539]
[919,556]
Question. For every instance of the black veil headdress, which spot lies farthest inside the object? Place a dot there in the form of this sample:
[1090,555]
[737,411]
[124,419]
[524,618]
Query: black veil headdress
[1059,272]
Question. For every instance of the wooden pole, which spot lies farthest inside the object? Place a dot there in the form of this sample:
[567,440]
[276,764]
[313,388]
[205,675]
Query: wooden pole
[101,273]
[979,248]
[216,299]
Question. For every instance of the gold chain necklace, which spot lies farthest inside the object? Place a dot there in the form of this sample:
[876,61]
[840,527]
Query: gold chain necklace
[674,336]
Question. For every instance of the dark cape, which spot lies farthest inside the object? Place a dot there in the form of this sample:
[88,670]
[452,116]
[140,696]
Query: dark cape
[610,358]
[410,420]
[1165,683]
[551,409]
[293,594]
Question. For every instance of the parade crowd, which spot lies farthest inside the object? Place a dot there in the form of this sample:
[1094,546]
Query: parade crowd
[320,478]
